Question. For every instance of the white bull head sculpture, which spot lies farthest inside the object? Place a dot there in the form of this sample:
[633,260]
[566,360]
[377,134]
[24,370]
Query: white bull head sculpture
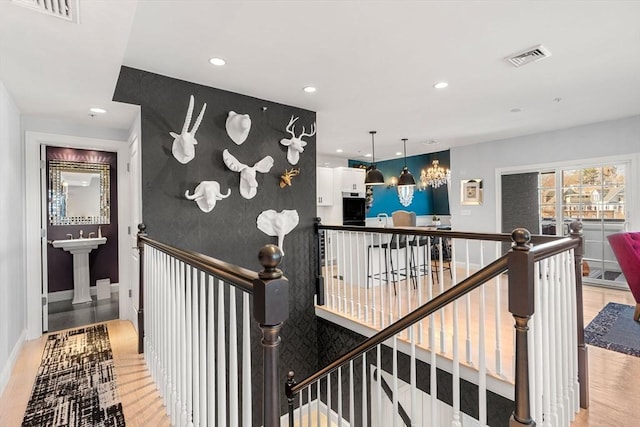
[206,194]
[279,224]
[248,182]
[183,148]
[295,143]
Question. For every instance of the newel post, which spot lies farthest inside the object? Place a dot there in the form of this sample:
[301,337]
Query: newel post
[270,309]
[575,230]
[319,276]
[142,232]
[521,306]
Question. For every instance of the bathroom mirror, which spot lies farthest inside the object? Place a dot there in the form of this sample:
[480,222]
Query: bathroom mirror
[78,193]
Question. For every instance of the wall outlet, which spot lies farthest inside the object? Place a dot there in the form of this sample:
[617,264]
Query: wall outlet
[465,212]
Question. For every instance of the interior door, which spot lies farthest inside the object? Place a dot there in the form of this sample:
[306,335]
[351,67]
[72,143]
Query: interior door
[44,240]
[135,216]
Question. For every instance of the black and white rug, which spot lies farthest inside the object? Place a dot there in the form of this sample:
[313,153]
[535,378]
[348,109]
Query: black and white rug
[614,329]
[76,382]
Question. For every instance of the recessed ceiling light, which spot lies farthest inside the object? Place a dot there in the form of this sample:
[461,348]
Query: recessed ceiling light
[96,110]
[339,150]
[217,61]
[398,153]
[309,89]
[515,110]
[368,155]
[441,85]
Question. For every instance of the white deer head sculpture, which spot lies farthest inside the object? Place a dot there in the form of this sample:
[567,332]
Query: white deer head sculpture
[295,143]
[248,182]
[183,148]
[206,194]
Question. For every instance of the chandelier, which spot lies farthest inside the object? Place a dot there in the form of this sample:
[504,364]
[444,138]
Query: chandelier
[436,175]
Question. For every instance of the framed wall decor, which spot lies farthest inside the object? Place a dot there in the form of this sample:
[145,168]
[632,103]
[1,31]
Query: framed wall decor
[471,191]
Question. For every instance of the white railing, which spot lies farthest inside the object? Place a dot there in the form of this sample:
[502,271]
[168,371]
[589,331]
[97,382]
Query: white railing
[189,316]
[471,338]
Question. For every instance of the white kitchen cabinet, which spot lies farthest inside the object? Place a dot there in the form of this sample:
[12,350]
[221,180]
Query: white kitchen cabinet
[324,186]
[352,180]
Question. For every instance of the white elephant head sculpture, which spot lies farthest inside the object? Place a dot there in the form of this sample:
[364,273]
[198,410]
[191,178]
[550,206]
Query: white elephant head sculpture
[279,224]
[248,182]
[206,194]
[295,143]
[238,126]
[183,148]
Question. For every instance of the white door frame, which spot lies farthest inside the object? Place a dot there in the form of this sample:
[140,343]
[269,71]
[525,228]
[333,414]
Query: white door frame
[33,141]
[134,208]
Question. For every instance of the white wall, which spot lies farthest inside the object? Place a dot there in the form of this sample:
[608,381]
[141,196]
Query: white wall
[59,127]
[12,248]
[616,138]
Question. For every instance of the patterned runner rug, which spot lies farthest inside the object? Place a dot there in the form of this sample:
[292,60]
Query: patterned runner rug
[76,382]
[614,329]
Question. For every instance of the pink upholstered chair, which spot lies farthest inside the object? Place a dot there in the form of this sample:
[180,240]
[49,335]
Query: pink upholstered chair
[626,247]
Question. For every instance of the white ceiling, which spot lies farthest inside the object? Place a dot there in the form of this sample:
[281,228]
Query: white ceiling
[374,63]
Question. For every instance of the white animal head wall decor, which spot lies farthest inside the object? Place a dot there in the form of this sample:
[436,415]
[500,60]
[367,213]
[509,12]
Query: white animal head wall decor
[295,143]
[238,126]
[279,224]
[206,194]
[248,182]
[183,148]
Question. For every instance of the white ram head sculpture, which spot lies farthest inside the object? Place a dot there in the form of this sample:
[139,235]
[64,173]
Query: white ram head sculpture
[295,143]
[248,182]
[183,148]
[206,194]
[238,126]
[279,224]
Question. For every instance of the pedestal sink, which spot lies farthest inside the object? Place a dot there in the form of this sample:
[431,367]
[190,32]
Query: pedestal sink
[80,249]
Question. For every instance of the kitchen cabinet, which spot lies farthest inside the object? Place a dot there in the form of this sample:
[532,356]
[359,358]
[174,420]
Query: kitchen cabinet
[352,180]
[324,186]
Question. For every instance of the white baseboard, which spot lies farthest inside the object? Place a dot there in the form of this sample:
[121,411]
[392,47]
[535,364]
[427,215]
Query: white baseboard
[11,361]
[68,295]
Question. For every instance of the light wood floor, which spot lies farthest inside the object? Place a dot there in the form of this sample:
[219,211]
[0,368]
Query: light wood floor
[614,384]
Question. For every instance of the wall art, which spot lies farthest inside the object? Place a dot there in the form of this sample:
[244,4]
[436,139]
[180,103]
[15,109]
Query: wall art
[471,192]
[238,127]
[206,194]
[183,148]
[295,144]
[279,224]
[287,176]
[248,182]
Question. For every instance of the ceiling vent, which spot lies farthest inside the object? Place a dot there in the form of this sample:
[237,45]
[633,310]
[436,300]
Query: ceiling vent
[65,9]
[532,54]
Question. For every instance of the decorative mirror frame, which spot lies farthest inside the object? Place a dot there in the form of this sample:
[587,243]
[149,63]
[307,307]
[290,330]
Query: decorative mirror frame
[56,167]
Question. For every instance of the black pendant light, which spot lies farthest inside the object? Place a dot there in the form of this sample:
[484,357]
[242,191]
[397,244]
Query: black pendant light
[374,176]
[405,176]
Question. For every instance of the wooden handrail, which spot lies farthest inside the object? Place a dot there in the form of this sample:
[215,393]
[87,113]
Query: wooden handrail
[240,277]
[472,282]
[423,231]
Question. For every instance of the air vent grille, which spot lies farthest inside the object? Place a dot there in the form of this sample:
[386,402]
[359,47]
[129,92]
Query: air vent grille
[65,9]
[533,54]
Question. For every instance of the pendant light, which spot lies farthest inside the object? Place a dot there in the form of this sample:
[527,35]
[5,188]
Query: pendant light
[405,176]
[374,176]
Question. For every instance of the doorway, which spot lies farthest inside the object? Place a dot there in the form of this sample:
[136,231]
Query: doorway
[79,186]
[597,194]
[36,235]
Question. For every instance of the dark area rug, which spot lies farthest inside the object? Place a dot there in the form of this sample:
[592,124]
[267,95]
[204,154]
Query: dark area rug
[614,329]
[76,382]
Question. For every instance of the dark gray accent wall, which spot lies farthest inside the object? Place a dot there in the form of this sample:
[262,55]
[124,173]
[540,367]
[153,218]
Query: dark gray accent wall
[229,231]
[103,261]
